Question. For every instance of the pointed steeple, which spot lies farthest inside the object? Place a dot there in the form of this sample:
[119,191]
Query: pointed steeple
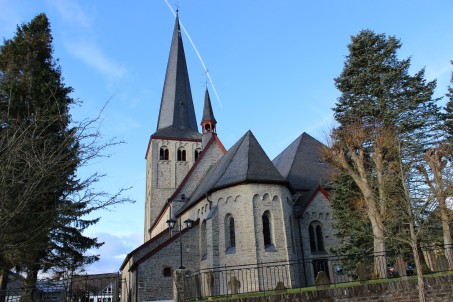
[208,122]
[177,115]
[208,114]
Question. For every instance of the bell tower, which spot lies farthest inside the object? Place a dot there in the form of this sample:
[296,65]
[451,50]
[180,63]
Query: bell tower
[174,147]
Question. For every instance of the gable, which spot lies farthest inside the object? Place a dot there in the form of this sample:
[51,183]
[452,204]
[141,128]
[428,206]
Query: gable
[213,151]
[314,200]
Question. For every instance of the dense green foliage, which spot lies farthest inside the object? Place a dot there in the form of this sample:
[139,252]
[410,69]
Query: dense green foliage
[43,202]
[448,117]
[381,101]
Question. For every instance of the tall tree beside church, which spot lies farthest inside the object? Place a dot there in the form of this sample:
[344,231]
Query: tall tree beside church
[380,104]
[43,203]
[448,117]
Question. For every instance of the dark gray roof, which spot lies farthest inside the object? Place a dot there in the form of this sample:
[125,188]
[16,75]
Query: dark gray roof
[177,114]
[302,165]
[175,132]
[208,114]
[246,161]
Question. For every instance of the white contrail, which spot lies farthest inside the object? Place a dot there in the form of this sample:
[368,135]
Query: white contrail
[198,54]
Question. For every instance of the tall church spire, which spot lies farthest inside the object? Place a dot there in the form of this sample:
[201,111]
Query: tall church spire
[208,122]
[177,115]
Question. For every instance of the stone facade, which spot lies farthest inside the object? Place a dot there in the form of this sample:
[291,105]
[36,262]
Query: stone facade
[164,175]
[318,217]
[246,208]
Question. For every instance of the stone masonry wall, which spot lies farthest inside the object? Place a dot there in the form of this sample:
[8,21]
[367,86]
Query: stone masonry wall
[152,285]
[320,211]
[438,289]
[163,176]
[212,155]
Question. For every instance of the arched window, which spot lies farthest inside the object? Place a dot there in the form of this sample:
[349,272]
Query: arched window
[319,238]
[163,153]
[204,241]
[316,237]
[181,155]
[207,127]
[230,235]
[197,153]
[267,229]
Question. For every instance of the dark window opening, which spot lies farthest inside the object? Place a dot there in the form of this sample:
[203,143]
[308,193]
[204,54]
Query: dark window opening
[319,238]
[232,235]
[316,237]
[163,153]
[181,155]
[167,272]
[267,230]
[197,154]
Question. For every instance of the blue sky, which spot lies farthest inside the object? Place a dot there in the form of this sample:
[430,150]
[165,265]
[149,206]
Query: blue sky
[272,64]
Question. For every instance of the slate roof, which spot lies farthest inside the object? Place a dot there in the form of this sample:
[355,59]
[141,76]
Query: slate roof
[177,115]
[208,114]
[246,161]
[301,164]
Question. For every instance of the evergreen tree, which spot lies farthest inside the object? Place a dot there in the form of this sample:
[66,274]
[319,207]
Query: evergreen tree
[42,200]
[384,115]
[448,117]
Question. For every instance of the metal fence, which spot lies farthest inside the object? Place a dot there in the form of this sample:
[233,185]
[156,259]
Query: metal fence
[322,271]
[79,288]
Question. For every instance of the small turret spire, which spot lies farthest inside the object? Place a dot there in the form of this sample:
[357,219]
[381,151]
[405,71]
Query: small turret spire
[208,122]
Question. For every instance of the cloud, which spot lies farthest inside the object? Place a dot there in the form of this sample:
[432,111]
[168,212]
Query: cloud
[113,252]
[89,53]
[71,11]
[80,40]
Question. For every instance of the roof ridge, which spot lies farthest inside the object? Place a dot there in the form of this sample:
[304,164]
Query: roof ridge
[241,140]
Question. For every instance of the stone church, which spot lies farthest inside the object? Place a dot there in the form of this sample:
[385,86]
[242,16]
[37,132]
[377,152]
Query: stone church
[244,209]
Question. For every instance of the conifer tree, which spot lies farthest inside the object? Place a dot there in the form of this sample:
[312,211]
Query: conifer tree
[381,106]
[448,117]
[43,202]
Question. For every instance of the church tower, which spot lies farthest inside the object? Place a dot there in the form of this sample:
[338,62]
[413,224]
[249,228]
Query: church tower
[174,147]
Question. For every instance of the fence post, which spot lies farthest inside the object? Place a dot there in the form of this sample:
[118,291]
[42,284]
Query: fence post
[179,277]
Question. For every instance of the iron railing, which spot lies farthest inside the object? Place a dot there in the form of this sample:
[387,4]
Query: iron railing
[79,288]
[322,271]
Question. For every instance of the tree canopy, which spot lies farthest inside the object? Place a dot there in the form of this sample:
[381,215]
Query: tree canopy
[43,201]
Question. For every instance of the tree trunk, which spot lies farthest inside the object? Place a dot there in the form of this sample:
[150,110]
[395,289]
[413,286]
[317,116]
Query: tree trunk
[446,233]
[380,259]
[30,282]
[418,266]
[3,283]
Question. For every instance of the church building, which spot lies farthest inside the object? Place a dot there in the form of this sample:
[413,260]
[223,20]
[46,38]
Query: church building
[226,208]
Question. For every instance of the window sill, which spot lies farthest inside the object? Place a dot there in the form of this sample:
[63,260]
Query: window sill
[231,250]
[270,248]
